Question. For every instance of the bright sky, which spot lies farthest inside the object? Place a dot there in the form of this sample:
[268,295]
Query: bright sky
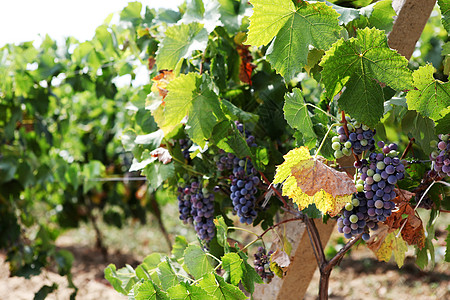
[24,20]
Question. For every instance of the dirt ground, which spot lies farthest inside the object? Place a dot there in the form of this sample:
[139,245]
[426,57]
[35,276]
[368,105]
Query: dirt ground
[359,276]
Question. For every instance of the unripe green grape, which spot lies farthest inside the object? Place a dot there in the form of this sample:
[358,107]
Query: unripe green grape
[355,201]
[381,165]
[348,206]
[350,127]
[335,139]
[433,144]
[434,154]
[353,218]
[338,154]
[360,181]
[359,188]
[346,151]
[392,153]
[336,146]
[357,124]
[444,137]
[348,144]
[365,127]
[370,172]
[364,142]
[376,177]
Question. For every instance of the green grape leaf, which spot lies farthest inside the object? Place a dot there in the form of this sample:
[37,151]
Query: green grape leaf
[205,12]
[233,264]
[237,113]
[231,13]
[431,97]
[360,64]
[216,286]
[444,6]
[297,115]
[179,42]
[132,12]
[184,291]
[267,19]
[382,15]
[122,280]
[145,269]
[250,276]
[180,245]
[157,173]
[226,137]
[311,24]
[222,232]
[191,95]
[197,261]
[166,275]
[443,124]
[149,291]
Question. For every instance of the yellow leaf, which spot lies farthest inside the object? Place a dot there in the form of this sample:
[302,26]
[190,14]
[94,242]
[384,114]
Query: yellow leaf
[308,180]
[392,244]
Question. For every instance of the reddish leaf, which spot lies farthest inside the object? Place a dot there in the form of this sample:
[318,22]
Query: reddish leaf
[161,81]
[151,63]
[246,67]
[412,232]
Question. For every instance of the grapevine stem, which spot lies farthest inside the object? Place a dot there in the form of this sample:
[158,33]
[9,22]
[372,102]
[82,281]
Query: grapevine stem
[324,138]
[267,230]
[277,192]
[327,113]
[411,141]
[210,255]
[243,229]
[415,208]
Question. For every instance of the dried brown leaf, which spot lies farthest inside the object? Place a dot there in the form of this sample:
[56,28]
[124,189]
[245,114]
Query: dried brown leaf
[280,258]
[321,177]
[161,81]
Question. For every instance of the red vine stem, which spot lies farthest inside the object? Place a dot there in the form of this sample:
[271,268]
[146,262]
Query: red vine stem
[277,192]
[411,141]
[344,120]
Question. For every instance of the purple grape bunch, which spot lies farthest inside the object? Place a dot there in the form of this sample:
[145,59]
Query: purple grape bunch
[196,205]
[375,191]
[243,188]
[441,156]
[262,263]
[354,218]
[360,139]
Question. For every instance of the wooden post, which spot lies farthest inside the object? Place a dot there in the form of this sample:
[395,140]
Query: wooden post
[412,17]
[303,263]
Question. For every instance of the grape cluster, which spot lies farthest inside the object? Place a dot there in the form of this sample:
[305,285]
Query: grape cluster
[360,139]
[380,172]
[441,156]
[243,190]
[243,179]
[354,218]
[196,205]
[375,191]
[185,144]
[262,263]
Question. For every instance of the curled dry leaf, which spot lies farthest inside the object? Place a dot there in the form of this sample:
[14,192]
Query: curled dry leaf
[246,67]
[308,180]
[412,232]
[161,81]
[162,154]
[280,258]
